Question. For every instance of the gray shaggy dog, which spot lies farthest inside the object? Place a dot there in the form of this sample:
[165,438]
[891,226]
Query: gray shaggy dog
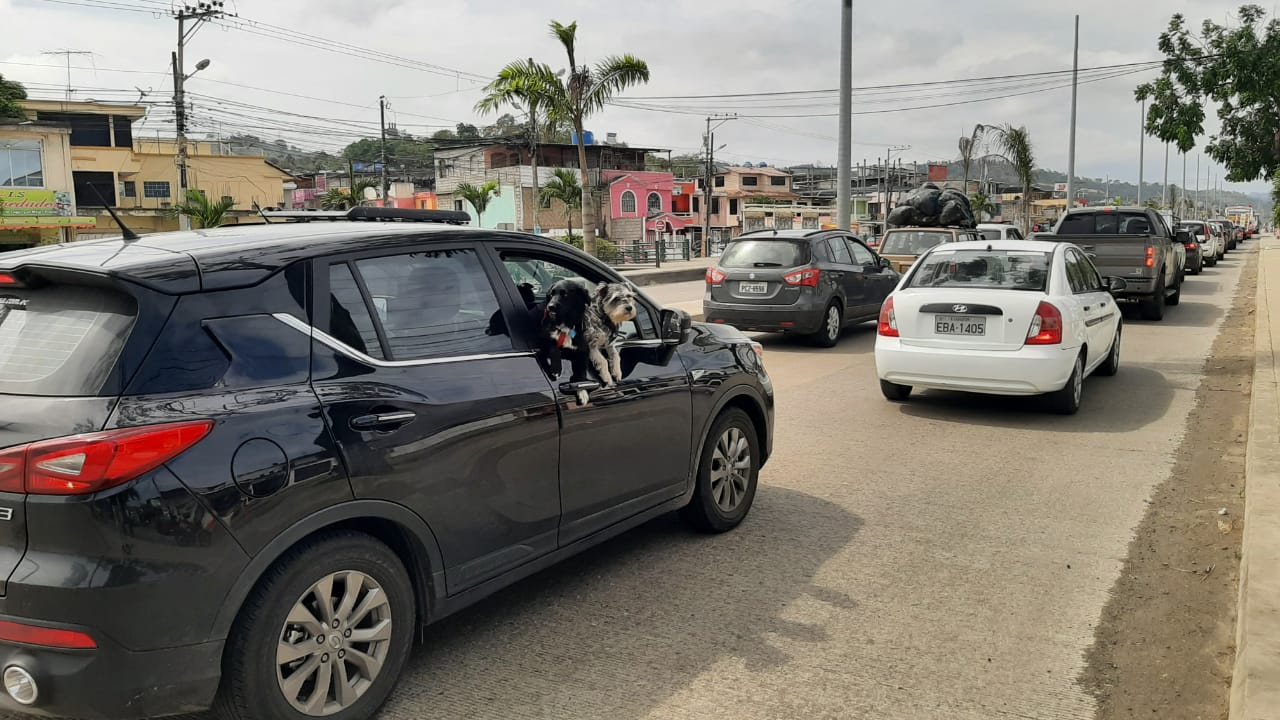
[586,319]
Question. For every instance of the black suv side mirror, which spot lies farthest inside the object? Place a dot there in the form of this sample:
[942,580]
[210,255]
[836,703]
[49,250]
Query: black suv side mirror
[884,264]
[1116,284]
[675,325]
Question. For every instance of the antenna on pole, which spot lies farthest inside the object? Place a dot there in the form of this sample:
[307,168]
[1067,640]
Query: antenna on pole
[67,56]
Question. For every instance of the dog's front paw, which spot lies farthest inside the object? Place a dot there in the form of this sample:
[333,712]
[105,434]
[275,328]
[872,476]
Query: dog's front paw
[583,397]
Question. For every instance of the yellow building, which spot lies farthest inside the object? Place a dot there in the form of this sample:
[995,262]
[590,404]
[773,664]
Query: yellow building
[37,199]
[138,176]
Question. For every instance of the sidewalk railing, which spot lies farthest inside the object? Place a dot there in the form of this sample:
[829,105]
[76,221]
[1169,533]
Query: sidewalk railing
[643,254]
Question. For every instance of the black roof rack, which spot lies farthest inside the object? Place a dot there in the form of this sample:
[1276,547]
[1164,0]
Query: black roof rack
[369,214]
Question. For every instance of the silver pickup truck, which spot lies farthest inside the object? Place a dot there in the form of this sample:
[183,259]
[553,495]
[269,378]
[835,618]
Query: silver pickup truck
[1134,243]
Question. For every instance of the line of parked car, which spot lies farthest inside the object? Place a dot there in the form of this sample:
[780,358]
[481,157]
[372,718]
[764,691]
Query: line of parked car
[977,310]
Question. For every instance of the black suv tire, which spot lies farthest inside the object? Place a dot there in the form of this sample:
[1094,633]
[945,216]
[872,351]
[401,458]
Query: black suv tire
[716,476]
[252,680]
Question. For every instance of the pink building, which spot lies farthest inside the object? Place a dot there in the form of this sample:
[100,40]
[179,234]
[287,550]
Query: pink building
[641,207]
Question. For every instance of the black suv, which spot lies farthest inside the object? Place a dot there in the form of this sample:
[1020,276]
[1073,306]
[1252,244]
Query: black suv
[243,465]
[808,282]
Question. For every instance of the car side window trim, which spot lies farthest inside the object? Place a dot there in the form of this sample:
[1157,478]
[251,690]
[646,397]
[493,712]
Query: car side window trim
[337,345]
[369,306]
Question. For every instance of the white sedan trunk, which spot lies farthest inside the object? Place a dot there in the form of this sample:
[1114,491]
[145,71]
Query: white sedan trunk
[964,319]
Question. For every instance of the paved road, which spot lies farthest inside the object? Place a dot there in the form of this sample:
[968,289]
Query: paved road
[686,295]
[946,558]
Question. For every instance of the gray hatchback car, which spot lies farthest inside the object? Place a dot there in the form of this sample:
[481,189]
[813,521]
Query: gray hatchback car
[806,282]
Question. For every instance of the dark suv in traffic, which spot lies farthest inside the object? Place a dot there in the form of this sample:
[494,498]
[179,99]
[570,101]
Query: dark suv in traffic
[248,463]
[808,282]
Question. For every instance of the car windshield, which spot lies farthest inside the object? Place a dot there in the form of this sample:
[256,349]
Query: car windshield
[1105,223]
[1193,228]
[977,269]
[764,253]
[991,234]
[912,242]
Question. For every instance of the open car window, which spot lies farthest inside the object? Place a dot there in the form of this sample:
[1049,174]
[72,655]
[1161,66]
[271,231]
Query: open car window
[534,274]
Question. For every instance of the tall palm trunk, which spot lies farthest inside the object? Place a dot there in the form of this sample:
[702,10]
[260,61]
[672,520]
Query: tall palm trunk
[533,162]
[588,221]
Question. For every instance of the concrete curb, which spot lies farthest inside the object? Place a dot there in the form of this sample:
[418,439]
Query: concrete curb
[1255,681]
[651,276]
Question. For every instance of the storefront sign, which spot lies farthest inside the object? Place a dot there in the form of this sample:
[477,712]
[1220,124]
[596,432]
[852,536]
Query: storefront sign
[42,221]
[21,202]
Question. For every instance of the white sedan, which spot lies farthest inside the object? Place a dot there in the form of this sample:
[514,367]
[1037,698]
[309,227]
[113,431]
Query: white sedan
[1005,317]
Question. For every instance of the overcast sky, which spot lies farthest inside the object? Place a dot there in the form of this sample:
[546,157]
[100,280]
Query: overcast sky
[712,47]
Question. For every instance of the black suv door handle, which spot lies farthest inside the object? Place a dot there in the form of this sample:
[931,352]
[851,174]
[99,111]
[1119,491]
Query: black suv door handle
[382,421]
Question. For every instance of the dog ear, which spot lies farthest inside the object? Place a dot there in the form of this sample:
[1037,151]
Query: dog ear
[602,289]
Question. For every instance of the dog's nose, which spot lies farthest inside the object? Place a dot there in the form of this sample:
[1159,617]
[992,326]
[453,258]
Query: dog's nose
[630,308]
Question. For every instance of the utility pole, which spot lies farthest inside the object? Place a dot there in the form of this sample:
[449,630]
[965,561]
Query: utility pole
[67,56]
[1195,203]
[1164,192]
[1142,147]
[198,14]
[844,151]
[888,179]
[710,140]
[1071,142]
[382,121]
[1183,201]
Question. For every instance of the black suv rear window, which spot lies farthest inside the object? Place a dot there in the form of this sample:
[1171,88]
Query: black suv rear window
[765,253]
[62,340]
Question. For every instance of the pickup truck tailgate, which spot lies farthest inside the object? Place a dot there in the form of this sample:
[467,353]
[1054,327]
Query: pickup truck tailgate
[1116,255]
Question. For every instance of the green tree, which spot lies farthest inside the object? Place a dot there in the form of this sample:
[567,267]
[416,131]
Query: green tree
[344,198]
[534,88]
[586,93]
[466,131]
[1014,145]
[11,92]
[565,188]
[981,203]
[969,148]
[478,195]
[202,210]
[1238,68]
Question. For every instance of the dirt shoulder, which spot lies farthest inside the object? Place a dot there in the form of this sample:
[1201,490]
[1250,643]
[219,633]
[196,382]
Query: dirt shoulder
[1165,645]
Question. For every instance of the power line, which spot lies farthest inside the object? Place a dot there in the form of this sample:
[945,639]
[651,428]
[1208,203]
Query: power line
[674,111]
[897,85]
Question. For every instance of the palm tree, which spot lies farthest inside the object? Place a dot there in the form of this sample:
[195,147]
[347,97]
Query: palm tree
[1014,145]
[968,148]
[198,207]
[534,88]
[345,199]
[565,188]
[981,203]
[587,92]
[479,196]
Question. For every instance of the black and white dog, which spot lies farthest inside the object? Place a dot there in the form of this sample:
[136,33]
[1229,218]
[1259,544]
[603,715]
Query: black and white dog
[586,319]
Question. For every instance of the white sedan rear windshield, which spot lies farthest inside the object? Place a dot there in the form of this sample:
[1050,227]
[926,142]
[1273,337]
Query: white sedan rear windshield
[976,269]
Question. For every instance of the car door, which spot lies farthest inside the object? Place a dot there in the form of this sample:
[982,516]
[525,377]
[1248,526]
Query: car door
[849,275]
[1106,314]
[877,281]
[628,449]
[435,407]
[1084,291]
